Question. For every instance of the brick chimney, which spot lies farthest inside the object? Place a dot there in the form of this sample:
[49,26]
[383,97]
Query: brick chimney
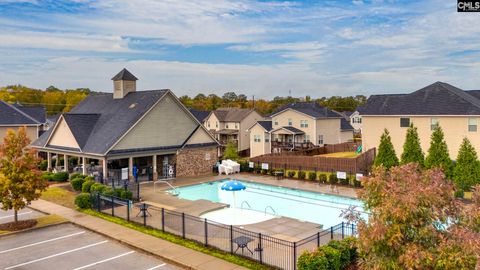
[123,83]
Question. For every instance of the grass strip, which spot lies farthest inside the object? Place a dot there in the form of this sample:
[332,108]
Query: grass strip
[180,241]
[59,196]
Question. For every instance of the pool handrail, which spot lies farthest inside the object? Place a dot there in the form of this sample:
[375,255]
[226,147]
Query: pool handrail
[241,206]
[176,192]
[273,210]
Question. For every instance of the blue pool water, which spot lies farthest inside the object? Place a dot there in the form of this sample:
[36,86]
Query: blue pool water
[309,206]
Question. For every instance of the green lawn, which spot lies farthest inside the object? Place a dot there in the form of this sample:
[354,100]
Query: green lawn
[59,196]
[340,155]
[183,242]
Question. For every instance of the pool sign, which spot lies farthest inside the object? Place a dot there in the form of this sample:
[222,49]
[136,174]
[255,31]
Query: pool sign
[341,175]
[264,166]
[358,176]
[124,173]
[251,165]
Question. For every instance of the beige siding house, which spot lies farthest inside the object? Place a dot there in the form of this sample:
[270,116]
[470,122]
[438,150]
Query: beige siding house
[455,110]
[14,116]
[149,130]
[231,124]
[299,125]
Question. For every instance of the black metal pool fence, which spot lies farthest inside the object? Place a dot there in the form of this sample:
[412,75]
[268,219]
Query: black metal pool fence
[262,248]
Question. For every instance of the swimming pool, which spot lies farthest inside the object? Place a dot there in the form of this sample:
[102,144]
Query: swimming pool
[303,205]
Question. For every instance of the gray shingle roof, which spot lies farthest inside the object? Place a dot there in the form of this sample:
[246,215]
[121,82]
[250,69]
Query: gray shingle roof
[115,117]
[293,130]
[312,109]
[231,114]
[19,115]
[436,99]
[124,74]
[267,125]
[81,126]
[200,115]
[345,125]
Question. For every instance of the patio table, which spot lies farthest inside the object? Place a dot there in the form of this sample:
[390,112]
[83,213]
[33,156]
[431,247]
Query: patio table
[143,209]
[242,242]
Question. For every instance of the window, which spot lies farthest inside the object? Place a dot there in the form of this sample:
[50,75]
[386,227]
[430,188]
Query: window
[320,139]
[472,124]
[290,122]
[256,138]
[216,124]
[267,138]
[236,125]
[433,123]
[226,126]
[357,120]
[303,123]
[404,122]
[275,122]
[306,138]
[208,123]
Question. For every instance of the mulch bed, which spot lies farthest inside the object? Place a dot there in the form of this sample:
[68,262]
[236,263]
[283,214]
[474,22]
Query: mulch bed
[17,226]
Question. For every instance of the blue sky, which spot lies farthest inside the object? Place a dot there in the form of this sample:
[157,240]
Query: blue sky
[263,48]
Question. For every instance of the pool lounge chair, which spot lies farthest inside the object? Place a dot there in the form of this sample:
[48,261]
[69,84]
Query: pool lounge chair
[232,164]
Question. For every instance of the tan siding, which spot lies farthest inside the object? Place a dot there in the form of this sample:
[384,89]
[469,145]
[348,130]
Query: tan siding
[259,148]
[200,136]
[346,136]
[330,129]
[212,119]
[32,133]
[296,118]
[166,124]
[63,136]
[243,135]
[455,129]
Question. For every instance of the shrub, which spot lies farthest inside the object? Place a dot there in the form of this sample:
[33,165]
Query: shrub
[83,200]
[89,178]
[60,177]
[86,186]
[108,191]
[459,193]
[332,178]
[47,176]
[357,183]
[264,171]
[301,175]
[312,176]
[97,187]
[333,256]
[343,181]
[291,174]
[312,261]
[77,184]
[347,252]
[77,175]
[43,165]
[322,178]
[126,194]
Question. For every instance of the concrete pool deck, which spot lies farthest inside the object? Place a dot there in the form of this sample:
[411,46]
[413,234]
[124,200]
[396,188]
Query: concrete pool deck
[282,227]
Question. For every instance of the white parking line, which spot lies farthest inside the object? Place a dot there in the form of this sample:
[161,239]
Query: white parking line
[55,255]
[106,260]
[158,266]
[41,242]
[19,214]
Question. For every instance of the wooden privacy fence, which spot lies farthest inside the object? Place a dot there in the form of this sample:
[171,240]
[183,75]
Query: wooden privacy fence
[330,148]
[359,164]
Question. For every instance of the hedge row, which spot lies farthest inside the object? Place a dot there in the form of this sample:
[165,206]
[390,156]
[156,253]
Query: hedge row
[336,255]
[83,200]
[55,177]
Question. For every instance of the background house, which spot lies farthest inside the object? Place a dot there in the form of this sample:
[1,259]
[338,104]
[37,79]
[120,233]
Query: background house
[152,130]
[231,124]
[356,121]
[14,116]
[455,110]
[299,125]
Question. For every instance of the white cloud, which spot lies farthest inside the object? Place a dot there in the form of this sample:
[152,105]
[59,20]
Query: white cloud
[293,46]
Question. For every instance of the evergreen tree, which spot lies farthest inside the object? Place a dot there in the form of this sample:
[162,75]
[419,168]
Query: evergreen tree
[386,153]
[231,152]
[467,170]
[412,151]
[438,153]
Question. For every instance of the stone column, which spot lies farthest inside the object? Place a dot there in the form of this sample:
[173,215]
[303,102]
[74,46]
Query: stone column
[49,160]
[105,168]
[84,166]
[65,163]
[154,164]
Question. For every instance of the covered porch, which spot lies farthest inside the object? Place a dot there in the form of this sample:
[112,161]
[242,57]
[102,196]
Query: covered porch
[289,138]
[225,136]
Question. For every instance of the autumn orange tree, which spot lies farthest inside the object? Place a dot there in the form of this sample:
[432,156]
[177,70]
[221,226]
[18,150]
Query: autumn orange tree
[20,178]
[416,222]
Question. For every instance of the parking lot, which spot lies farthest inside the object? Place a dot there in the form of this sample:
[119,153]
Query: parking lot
[69,247]
[25,213]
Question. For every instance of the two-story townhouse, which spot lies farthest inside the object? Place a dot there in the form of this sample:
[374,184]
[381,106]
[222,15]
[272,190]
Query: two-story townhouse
[14,116]
[455,110]
[231,124]
[356,121]
[299,125]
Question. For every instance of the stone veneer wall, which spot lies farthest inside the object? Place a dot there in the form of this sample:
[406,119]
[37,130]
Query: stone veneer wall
[197,161]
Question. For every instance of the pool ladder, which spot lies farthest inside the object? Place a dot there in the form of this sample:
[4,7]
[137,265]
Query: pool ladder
[273,210]
[241,206]
[175,192]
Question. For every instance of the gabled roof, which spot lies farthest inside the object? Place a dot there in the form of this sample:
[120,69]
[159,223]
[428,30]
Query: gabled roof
[231,114]
[345,125]
[19,115]
[125,75]
[81,125]
[115,118]
[311,109]
[436,99]
[290,129]
[200,115]
[267,125]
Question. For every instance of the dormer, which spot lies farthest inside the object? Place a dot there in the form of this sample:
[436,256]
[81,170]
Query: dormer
[123,83]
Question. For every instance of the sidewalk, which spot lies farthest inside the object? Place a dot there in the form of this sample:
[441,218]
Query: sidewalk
[173,253]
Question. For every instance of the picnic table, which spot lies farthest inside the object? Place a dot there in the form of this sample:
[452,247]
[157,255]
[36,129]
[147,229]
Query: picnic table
[242,242]
[143,209]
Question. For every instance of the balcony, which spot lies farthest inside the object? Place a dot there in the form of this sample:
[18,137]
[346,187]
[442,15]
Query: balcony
[292,145]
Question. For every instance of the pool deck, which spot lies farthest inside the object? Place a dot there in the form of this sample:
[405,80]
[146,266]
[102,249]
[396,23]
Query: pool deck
[282,227]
